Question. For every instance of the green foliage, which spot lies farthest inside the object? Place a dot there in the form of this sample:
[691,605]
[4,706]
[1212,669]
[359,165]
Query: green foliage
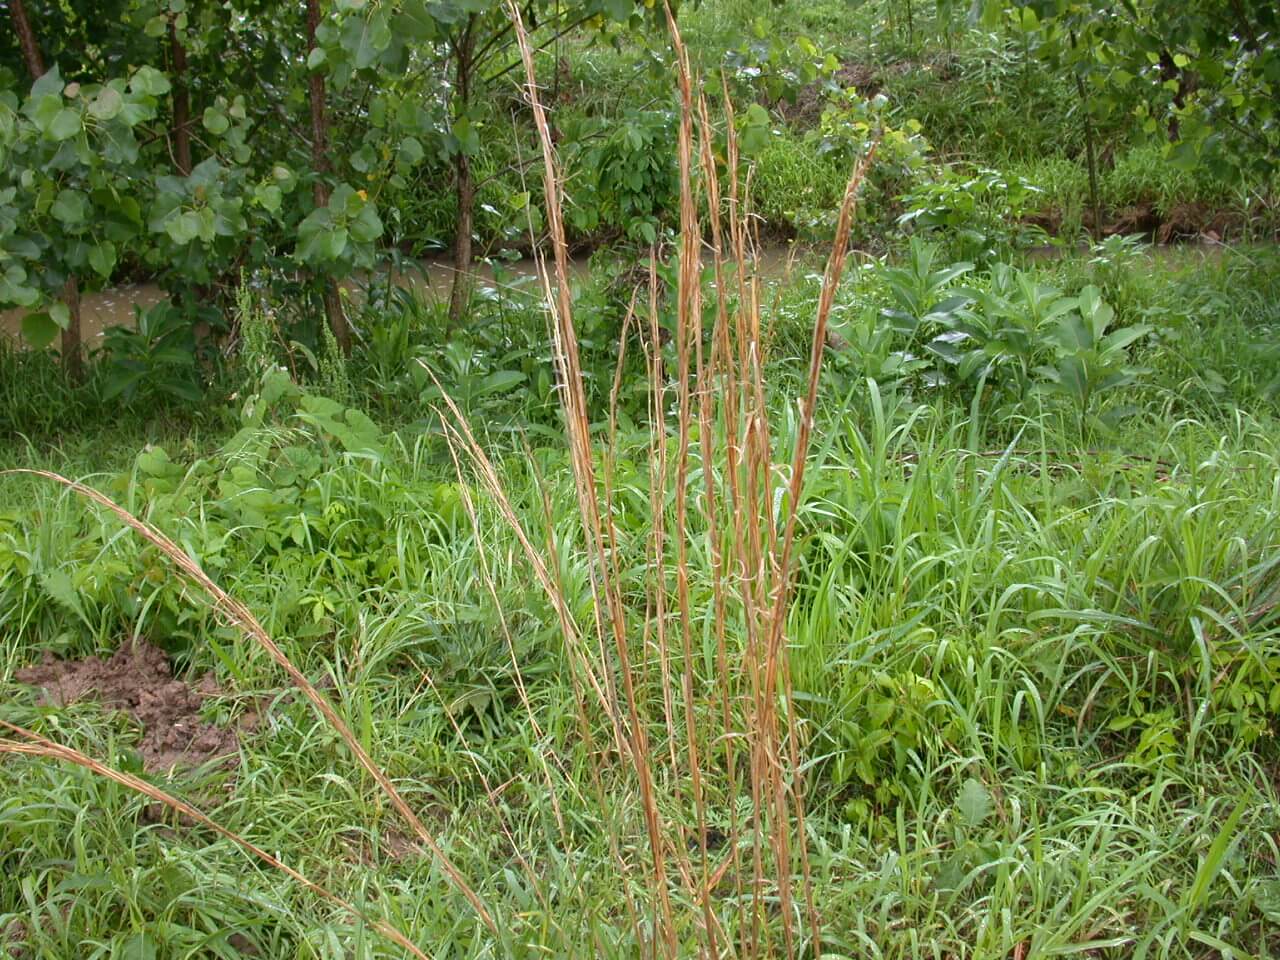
[1091,358]
[1003,331]
[980,211]
[1034,674]
[68,154]
[1033,662]
[623,175]
[920,292]
[158,360]
[1202,75]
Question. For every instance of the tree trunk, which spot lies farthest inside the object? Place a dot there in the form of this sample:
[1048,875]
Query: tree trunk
[181,105]
[72,360]
[460,295]
[1091,158]
[26,39]
[1090,151]
[320,164]
[72,355]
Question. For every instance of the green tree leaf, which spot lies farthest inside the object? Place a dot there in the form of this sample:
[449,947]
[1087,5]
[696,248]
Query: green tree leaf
[39,330]
[107,104]
[215,121]
[102,258]
[64,125]
[149,81]
[71,208]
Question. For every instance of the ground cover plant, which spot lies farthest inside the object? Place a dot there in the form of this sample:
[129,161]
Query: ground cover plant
[910,592]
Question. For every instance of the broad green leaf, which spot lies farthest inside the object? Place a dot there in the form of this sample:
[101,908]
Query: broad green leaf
[364,159]
[415,22]
[182,227]
[136,110]
[215,121]
[268,196]
[755,130]
[103,258]
[335,242]
[1074,378]
[15,289]
[411,151]
[48,84]
[58,585]
[207,228]
[618,10]
[974,802]
[71,208]
[311,234]
[150,81]
[344,199]
[107,104]
[1119,339]
[365,226]
[499,382]
[64,125]
[39,330]
[466,135]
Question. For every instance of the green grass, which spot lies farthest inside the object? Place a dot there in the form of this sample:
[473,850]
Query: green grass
[1035,677]
[1032,643]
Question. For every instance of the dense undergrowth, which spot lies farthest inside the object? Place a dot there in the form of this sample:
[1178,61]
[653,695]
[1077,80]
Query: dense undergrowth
[1031,664]
[1032,643]
[978,103]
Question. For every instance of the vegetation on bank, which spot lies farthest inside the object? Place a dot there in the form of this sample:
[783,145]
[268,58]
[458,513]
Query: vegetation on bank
[632,624]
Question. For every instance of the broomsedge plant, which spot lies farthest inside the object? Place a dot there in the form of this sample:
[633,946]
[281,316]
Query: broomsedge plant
[731,739]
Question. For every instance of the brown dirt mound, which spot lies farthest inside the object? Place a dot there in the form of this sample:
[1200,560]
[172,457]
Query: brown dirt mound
[811,99]
[137,679]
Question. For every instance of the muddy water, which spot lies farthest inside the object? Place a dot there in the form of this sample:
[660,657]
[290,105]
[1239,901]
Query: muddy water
[107,308]
[434,278]
[115,307]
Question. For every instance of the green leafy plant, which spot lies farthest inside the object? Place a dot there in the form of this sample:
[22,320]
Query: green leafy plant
[155,361]
[1005,326]
[474,381]
[979,210]
[623,178]
[1092,359]
[921,292]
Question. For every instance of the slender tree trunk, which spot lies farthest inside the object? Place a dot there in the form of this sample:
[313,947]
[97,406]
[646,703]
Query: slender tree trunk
[1091,158]
[320,163]
[26,39]
[460,295]
[72,359]
[1090,151]
[181,105]
[72,355]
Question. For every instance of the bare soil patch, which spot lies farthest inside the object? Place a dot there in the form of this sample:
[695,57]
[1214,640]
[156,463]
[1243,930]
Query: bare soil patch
[811,99]
[138,679]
